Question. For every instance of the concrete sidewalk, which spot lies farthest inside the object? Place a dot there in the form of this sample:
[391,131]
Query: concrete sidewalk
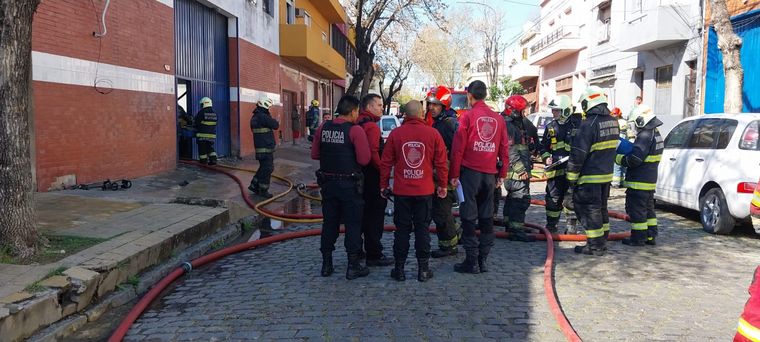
[141,227]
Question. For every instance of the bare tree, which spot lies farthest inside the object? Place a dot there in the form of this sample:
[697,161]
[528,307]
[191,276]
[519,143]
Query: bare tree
[394,65]
[371,20]
[17,230]
[730,46]
[490,25]
[443,54]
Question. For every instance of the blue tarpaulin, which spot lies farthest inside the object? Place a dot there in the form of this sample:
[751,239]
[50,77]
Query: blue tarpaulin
[747,26]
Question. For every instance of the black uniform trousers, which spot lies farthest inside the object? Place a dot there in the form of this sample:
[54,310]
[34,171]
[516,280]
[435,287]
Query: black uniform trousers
[516,202]
[341,204]
[448,233]
[411,214]
[556,188]
[639,205]
[205,149]
[590,202]
[374,214]
[478,206]
[264,173]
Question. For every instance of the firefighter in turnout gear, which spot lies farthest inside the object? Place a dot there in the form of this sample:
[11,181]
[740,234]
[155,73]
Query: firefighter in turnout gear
[642,160]
[748,329]
[445,122]
[572,219]
[205,136]
[342,149]
[555,145]
[517,184]
[263,126]
[589,169]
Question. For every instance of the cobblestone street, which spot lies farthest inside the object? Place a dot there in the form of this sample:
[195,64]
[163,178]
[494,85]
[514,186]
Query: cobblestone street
[692,286]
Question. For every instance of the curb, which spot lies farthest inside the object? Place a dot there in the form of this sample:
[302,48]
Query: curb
[72,324]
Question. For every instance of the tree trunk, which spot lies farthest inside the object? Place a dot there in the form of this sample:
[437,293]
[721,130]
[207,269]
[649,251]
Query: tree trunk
[367,83]
[730,46]
[17,230]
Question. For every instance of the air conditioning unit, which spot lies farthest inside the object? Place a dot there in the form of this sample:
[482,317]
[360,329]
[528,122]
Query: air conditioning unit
[300,13]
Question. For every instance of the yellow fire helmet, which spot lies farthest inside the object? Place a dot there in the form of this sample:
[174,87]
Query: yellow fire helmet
[315,103]
[205,102]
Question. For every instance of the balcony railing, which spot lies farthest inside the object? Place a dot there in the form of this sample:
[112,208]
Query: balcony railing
[553,37]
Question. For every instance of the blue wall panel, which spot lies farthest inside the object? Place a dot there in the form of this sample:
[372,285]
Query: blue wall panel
[202,59]
[747,26]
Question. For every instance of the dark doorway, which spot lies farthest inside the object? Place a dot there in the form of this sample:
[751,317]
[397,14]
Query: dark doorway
[202,63]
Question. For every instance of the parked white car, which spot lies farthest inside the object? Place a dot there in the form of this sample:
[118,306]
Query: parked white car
[711,163]
[387,123]
[540,120]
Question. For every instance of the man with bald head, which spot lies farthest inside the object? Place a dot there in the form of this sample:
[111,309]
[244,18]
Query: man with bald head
[413,152]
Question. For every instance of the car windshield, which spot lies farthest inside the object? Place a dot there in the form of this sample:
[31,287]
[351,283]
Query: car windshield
[459,102]
[543,121]
[388,124]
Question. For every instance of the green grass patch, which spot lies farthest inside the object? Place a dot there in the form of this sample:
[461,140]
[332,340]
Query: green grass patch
[133,280]
[217,244]
[248,226]
[34,288]
[56,272]
[59,247]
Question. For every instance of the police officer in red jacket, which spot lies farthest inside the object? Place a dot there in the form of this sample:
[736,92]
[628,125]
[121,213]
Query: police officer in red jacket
[342,149]
[480,140]
[414,151]
[374,205]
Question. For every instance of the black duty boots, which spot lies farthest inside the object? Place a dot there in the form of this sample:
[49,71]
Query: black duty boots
[517,234]
[381,261]
[327,265]
[482,263]
[638,238]
[444,252]
[355,268]
[423,270]
[397,272]
[469,265]
[589,250]
[633,242]
[254,187]
[264,193]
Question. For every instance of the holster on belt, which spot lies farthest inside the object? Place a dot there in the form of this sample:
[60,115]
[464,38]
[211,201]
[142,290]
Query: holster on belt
[357,177]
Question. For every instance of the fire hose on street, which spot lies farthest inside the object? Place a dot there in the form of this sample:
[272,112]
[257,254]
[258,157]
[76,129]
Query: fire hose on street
[549,290]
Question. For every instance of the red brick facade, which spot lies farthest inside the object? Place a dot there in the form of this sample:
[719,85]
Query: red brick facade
[139,32]
[121,134]
[92,136]
[259,71]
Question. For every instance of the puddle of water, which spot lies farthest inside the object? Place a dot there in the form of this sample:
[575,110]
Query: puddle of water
[300,205]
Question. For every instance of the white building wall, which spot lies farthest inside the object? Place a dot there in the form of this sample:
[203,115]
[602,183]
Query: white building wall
[254,25]
[554,14]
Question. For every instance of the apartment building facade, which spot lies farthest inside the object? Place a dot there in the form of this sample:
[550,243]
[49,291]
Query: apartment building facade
[111,77]
[561,49]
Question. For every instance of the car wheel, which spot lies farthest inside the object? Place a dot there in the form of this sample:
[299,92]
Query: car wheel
[714,214]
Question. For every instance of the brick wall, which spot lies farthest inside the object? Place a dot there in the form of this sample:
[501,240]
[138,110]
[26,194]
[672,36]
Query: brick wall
[139,32]
[259,70]
[122,134]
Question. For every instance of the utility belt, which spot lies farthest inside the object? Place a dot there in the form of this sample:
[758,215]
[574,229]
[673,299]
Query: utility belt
[357,177]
